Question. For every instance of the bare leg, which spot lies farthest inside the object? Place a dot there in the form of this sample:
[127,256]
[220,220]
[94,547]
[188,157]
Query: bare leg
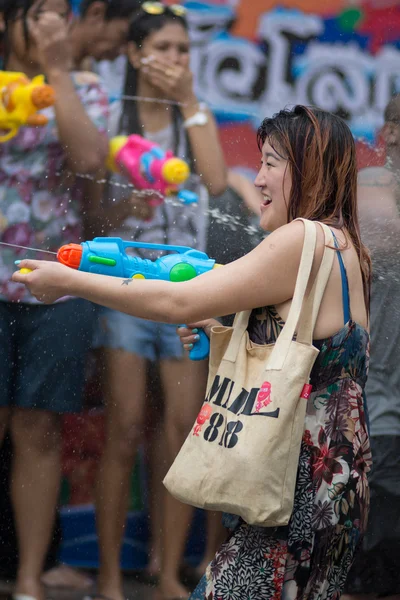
[156,464]
[157,470]
[126,383]
[184,383]
[34,488]
[4,422]
[216,535]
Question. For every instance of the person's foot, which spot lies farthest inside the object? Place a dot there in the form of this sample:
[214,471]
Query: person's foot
[201,568]
[28,587]
[172,589]
[154,566]
[97,596]
[153,570]
[64,576]
[109,588]
[191,576]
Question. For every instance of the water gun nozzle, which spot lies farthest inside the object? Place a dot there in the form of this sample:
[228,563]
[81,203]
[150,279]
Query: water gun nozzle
[70,255]
[43,96]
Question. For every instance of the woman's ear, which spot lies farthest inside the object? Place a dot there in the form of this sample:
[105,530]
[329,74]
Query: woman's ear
[134,55]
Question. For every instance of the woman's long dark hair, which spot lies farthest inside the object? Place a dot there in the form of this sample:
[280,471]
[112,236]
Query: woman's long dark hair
[10,10]
[321,152]
[141,26]
[115,9]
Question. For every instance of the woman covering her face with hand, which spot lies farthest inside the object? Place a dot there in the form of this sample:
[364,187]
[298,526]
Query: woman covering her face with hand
[169,114]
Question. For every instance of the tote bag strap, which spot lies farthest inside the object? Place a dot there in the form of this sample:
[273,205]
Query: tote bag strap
[242,319]
[282,344]
[309,315]
[239,329]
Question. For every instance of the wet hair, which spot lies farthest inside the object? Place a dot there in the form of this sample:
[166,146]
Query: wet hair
[321,155]
[116,9]
[141,26]
[392,110]
[10,10]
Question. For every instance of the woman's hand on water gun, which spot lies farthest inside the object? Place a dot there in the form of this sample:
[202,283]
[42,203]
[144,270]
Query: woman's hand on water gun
[46,280]
[189,334]
[50,32]
[174,81]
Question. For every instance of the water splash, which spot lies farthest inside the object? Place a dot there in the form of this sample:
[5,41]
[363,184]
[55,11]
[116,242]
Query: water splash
[218,215]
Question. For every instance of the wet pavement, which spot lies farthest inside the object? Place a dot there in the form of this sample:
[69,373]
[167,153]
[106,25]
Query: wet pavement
[134,589]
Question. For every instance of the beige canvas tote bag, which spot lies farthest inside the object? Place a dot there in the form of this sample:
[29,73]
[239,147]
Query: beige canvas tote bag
[242,453]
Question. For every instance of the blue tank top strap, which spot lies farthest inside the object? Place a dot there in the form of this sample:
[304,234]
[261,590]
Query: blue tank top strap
[345,284]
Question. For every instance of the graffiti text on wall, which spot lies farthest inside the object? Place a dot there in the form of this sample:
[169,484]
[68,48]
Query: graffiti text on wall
[297,59]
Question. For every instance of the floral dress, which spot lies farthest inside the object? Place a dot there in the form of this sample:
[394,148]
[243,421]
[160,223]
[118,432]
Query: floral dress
[311,556]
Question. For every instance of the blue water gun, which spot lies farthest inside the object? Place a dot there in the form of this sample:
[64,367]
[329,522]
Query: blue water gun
[107,256]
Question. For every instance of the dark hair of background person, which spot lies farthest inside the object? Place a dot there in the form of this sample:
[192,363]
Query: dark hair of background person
[141,26]
[116,9]
[320,149]
[10,9]
[392,110]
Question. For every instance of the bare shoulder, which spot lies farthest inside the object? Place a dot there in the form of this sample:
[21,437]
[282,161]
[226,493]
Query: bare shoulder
[290,237]
[376,177]
[282,248]
[286,238]
[279,250]
[287,241]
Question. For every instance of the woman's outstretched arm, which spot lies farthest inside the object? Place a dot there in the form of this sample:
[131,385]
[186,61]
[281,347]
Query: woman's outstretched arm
[265,276]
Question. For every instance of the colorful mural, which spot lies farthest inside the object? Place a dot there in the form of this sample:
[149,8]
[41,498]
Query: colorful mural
[252,58]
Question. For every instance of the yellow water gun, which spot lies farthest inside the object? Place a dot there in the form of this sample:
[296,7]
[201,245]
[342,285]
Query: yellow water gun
[20,100]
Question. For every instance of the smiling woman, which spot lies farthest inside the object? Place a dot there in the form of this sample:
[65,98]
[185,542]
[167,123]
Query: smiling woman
[308,170]
[314,158]
[275,181]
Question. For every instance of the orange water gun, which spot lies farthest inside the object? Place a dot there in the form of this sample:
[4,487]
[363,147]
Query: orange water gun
[20,100]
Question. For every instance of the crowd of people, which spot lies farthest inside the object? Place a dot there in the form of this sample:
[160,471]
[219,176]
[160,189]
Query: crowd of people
[55,188]
[43,37]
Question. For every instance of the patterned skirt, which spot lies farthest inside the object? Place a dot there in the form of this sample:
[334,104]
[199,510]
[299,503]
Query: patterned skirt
[310,558]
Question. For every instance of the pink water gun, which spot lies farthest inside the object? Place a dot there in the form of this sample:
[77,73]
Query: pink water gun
[149,168]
